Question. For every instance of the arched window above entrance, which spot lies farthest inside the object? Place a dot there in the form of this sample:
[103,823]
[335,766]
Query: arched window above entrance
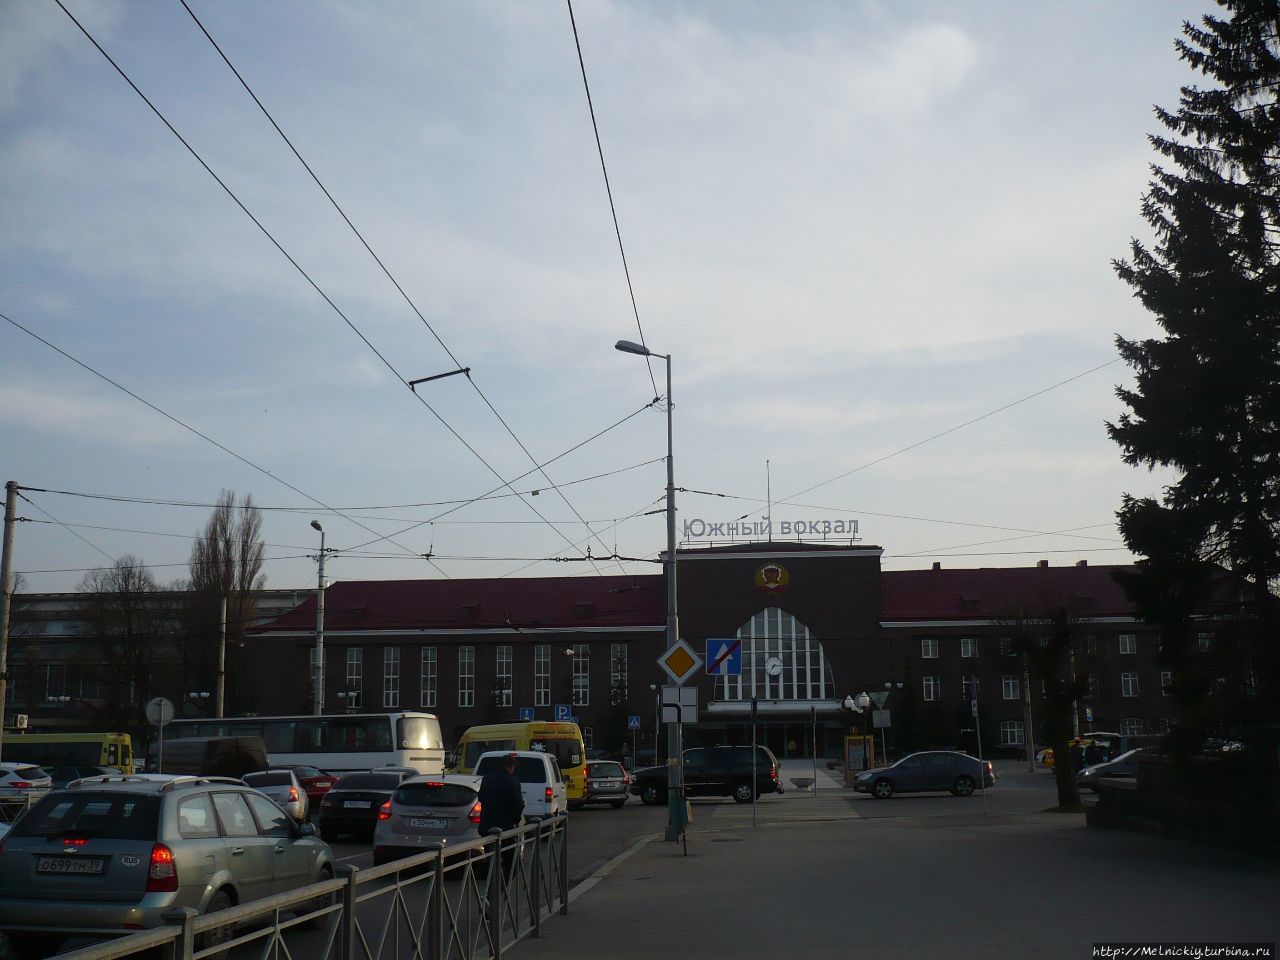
[781,660]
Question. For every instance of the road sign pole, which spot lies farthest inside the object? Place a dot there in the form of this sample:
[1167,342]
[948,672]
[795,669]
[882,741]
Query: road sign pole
[754,798]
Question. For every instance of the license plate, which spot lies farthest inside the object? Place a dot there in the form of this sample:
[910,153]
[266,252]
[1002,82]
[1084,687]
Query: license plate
[324,784]
[75,865]
[426,824]
[608,784]
[359,804]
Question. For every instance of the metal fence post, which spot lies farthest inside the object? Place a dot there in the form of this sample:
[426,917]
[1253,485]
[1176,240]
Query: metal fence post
[435,929]
[347,922]
[564,864]
[535,881]
[184,917]
[494,913]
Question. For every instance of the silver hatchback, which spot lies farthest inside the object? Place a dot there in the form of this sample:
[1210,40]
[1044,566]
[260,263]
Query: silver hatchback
[284,787]
[109,855]
[426,813]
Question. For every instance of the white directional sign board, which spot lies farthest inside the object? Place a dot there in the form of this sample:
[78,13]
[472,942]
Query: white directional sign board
[679,704]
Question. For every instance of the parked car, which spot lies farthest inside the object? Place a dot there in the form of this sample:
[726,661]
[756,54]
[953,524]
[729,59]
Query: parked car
[351,806]
[61,776]
[283,787]
[714,772]
[111,854]
[314,781]
[1125,765]
[540,780]
[931,770]
[426,813]
[607,781]
[22,784]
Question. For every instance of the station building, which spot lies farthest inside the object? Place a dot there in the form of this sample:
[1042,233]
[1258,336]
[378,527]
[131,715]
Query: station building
[800,627]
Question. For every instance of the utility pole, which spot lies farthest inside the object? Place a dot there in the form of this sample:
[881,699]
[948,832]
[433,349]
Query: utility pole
[220,702]
[319,654]
[1030,738]
[6,582]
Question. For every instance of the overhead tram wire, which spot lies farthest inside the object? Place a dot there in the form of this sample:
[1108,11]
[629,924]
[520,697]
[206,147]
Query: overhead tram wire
[297,266]
[608,189]
[53,519]
[612,526]
[154,501]
[937,436]
[204,436]
[1066,532]
[378,260]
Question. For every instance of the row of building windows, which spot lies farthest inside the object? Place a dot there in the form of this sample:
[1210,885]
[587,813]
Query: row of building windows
[1011,686]
[503,677]
[1127,644]
[1013,732]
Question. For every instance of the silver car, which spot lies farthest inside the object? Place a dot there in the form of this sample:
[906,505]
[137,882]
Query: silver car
[114,853]
[426,813]
[930,771]
[21,784]
[284,787]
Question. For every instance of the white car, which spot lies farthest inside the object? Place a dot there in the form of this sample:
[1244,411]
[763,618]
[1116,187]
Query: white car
[22,784]
[540,780]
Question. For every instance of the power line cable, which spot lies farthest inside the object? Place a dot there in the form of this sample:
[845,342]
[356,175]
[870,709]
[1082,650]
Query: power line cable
[937,436]
[1066,532]
[615,524]
[626,270]
[153,501]
[297,266]
[53,519]
[378,260]
[203,436]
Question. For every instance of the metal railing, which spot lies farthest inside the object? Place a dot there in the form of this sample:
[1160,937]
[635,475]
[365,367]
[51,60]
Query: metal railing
[468,902]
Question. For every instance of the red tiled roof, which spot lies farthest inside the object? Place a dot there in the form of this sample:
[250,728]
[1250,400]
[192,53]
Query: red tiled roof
[638,601]
[991,592]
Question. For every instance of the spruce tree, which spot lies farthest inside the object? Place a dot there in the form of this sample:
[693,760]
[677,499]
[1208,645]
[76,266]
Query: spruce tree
[1206,401]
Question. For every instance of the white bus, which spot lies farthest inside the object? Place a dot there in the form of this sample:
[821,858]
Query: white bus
[334,743]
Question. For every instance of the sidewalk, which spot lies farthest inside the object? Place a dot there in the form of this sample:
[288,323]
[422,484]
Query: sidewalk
[966,886]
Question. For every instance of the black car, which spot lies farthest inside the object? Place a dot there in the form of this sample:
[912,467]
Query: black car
[352,805]
[713,772]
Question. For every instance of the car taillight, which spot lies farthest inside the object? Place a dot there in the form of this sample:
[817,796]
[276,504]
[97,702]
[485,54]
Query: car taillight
[293,794]
[384,811]
[473,816]
[21,784]
[773,773]
[549,794]
[163,875]
[74,841]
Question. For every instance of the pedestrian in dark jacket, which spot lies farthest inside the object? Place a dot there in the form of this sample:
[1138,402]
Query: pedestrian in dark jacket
[501,799]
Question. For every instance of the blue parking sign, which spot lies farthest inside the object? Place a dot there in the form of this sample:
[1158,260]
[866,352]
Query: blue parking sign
[564,711]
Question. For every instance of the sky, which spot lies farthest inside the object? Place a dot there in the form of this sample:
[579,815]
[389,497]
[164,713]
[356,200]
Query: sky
[854,226]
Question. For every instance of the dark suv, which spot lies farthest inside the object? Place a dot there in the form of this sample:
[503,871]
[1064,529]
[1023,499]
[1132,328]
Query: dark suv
[713,772]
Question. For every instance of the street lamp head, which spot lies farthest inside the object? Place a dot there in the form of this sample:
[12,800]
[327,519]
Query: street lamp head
[315,525]
[849,704]
[630,346]
[863,700]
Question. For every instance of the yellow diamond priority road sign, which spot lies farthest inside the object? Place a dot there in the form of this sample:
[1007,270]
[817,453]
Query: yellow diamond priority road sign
[680,662]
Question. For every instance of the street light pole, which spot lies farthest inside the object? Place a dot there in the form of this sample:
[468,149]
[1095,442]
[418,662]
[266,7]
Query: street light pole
[675,800]
[318,670]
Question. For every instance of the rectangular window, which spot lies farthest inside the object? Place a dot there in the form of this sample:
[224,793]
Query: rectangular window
[969,686]
[1204,641]
[502,675]
[581,675]
[929,648]
[542,675]
[466,676]
[1166,681]
[618,693]
[1091,692]
[1131,727]
[1006,647]
[1128,643]
[355,678]
[391,676]
[932,688]
[1010,687]
[1011,733]
[55,681]
[968,647]
[429,677]
[1128,684]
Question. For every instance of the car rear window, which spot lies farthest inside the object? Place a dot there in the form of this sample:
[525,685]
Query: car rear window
[269,779]
[307,772]
[434,794]
[528,769]
[29,773]
[114,816]
[368,781]
[604,770]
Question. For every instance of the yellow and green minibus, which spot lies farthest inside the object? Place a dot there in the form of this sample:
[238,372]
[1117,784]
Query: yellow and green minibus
[560,739]
[70,749]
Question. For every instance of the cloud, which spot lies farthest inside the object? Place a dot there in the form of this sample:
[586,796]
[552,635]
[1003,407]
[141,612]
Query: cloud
[83,415]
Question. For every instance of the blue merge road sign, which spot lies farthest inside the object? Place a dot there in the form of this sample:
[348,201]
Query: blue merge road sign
[564,711]
[724,657]
[526,713]
[633,723]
